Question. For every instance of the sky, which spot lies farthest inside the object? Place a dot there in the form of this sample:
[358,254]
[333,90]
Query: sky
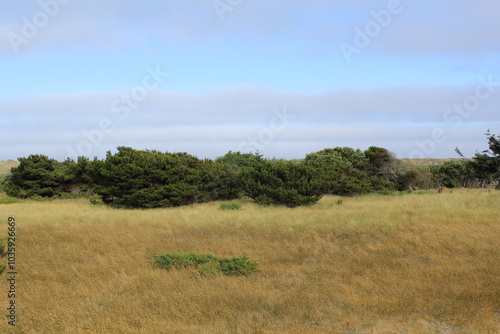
[284,78]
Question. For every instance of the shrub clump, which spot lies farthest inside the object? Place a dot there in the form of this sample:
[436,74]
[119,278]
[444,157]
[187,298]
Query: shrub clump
[206,264]
[284,183]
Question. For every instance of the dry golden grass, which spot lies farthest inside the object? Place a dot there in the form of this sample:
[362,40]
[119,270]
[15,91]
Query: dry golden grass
[419,263]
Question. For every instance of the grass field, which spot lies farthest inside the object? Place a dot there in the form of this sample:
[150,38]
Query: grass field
[416,263]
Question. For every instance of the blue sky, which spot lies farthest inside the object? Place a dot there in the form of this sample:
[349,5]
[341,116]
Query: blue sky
[286,78]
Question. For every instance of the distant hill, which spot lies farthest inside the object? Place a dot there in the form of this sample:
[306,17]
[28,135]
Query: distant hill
[418,162]
[429,162]
[5,166]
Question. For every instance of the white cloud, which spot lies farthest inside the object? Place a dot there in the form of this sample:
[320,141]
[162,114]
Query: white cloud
[392,118]
[254,106]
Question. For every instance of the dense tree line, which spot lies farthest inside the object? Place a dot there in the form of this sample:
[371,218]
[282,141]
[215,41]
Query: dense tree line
[150,179]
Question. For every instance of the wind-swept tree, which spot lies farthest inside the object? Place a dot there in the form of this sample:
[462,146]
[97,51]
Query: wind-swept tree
[284,183]
[35,175]
[486,165]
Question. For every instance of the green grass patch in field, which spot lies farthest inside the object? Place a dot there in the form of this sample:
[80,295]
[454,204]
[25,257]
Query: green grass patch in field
[230,206]
[207,264]
[387,192]
[72,196]
[9,200]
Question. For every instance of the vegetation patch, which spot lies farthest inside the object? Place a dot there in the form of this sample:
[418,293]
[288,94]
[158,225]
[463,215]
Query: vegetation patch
[206,264]
[230,206]
[3,264]
[150,179]
[386,192]
[9,200]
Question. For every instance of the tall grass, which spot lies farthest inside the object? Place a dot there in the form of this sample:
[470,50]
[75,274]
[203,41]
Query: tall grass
[375,264]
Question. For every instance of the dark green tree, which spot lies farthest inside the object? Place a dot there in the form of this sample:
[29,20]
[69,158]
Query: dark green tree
[486,165]
[383,168]
[220,181]
[240,161]
[148,179]
[36,175]
[452,174]
[342,169]
[284,183]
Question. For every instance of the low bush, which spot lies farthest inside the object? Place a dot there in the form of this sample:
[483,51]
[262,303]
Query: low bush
[95,200]
[206,264]
[181,261]
[284,183]
[210,269]
[237,266]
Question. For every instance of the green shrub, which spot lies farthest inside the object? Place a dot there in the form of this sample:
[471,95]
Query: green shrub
[35,176]
[486,165]
[151,179]
[348,172]
[95,200]
[210,269]
[40,176]
[181,261]
[37,198]
[452,174]
[237,266]
[230,206]
[284,183]
[206,264]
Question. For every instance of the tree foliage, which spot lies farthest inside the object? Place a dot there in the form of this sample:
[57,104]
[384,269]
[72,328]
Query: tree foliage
[486,165]
[283,183]
[150,179]
[350,172]
[452,174]
[146,179]
[36,175]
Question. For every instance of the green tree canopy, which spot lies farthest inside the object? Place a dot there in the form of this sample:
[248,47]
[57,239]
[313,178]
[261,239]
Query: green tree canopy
[36,175]
[284,183]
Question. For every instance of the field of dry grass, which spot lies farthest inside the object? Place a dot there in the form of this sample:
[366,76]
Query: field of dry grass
[418,263]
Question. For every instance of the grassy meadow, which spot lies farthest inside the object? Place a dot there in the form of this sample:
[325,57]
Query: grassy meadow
[413,263]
